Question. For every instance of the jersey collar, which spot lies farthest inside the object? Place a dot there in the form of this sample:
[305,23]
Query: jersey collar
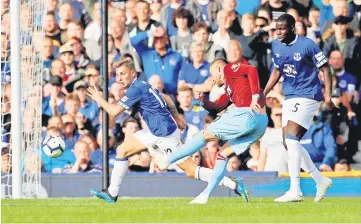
[294,41]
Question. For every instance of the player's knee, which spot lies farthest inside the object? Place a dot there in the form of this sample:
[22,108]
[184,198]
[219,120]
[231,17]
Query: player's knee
[122,151]
[189,173]
[209,137]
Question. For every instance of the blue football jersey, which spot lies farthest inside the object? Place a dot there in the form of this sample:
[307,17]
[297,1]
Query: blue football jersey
[152,106]
[298,63]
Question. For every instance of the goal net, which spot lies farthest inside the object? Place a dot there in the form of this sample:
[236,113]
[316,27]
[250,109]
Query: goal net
[31,68]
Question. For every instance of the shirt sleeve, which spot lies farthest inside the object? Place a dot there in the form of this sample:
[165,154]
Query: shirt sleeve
[132,96]
[316,54]
[274,57]
[254,80]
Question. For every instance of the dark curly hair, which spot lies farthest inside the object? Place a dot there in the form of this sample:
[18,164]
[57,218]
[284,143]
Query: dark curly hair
[183,13]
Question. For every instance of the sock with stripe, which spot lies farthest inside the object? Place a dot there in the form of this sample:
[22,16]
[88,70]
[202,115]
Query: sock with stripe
[217,175]
[202,173]
[118,173]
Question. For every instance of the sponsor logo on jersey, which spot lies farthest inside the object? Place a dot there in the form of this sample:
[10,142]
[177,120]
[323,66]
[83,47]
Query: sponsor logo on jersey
[321,59]
[289,70]
[235,67]
[297,56]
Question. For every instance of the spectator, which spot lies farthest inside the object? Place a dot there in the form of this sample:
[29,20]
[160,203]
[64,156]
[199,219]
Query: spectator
[314,20]
[92,74]
[91,141]
[5,53]
[276,8]
[83,162]
[339,9]
[92,47]
[302,30]
[52,29]
[183,20]
[71,135]
[338,121]
[229,6]
[293,12]
[145,23]
[57,69]
[222,35]
[96,156]
[48,53]
[67,56]
[93,31]
[254,151]
[201,34]
[339,40]
[321,145]
[113,52]
[81,60]
[197,158]
[87,108]
[160,60]
[130,126]
[53,105]
[233,164]
[156,82]
[130,12]
[194,71]
[140,162]
[204,10]
[5,159]
[66,15]
[356,21]
[189,130]
[155,8]
[209,154]
[248,25]
[56,165]
[122,42]
[80,13]
[55,122]
[302,6]
[345,81]
[194,115]
[273,155]
[342,166]
[166,15]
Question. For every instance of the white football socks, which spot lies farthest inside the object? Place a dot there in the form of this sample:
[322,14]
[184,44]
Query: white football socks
[308,166]
[118,173]
[294,164]
[202,173]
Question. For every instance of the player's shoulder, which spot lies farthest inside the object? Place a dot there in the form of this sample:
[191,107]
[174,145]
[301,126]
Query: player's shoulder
[138,86]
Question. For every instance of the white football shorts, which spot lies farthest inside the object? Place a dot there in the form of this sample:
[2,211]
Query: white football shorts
[166,144]
[300,111]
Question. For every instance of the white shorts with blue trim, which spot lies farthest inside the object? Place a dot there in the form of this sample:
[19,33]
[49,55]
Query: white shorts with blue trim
[240,126]
[166,144]
[300,111]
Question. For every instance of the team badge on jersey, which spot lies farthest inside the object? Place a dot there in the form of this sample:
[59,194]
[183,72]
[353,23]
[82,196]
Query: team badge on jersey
[172,62]
[297,56]
[235,67]
[277,55]
[124,99]
[204,72]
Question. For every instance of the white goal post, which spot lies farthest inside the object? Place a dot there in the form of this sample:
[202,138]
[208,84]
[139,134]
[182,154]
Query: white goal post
[21,178]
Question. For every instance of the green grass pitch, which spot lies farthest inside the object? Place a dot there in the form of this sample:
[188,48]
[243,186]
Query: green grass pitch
[167,210]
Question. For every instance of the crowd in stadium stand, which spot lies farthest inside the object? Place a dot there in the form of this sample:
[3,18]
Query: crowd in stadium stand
[197,32]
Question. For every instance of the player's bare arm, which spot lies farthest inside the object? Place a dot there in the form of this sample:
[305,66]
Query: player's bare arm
[328,85]
[273,80]
[173,110]
[112,109]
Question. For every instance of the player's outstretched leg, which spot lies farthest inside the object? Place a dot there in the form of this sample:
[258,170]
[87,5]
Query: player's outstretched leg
[183,151]
[127,148]
[241,189]
[323,183]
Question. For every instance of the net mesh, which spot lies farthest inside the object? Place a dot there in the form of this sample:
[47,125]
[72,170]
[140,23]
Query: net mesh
[31,68]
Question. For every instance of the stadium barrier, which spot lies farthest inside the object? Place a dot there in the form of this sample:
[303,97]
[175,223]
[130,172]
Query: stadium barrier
[260,184]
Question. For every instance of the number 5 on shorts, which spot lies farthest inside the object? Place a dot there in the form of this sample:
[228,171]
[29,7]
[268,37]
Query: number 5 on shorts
[295,108]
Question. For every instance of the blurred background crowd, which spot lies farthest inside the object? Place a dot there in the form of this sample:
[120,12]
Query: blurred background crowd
[197,31]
